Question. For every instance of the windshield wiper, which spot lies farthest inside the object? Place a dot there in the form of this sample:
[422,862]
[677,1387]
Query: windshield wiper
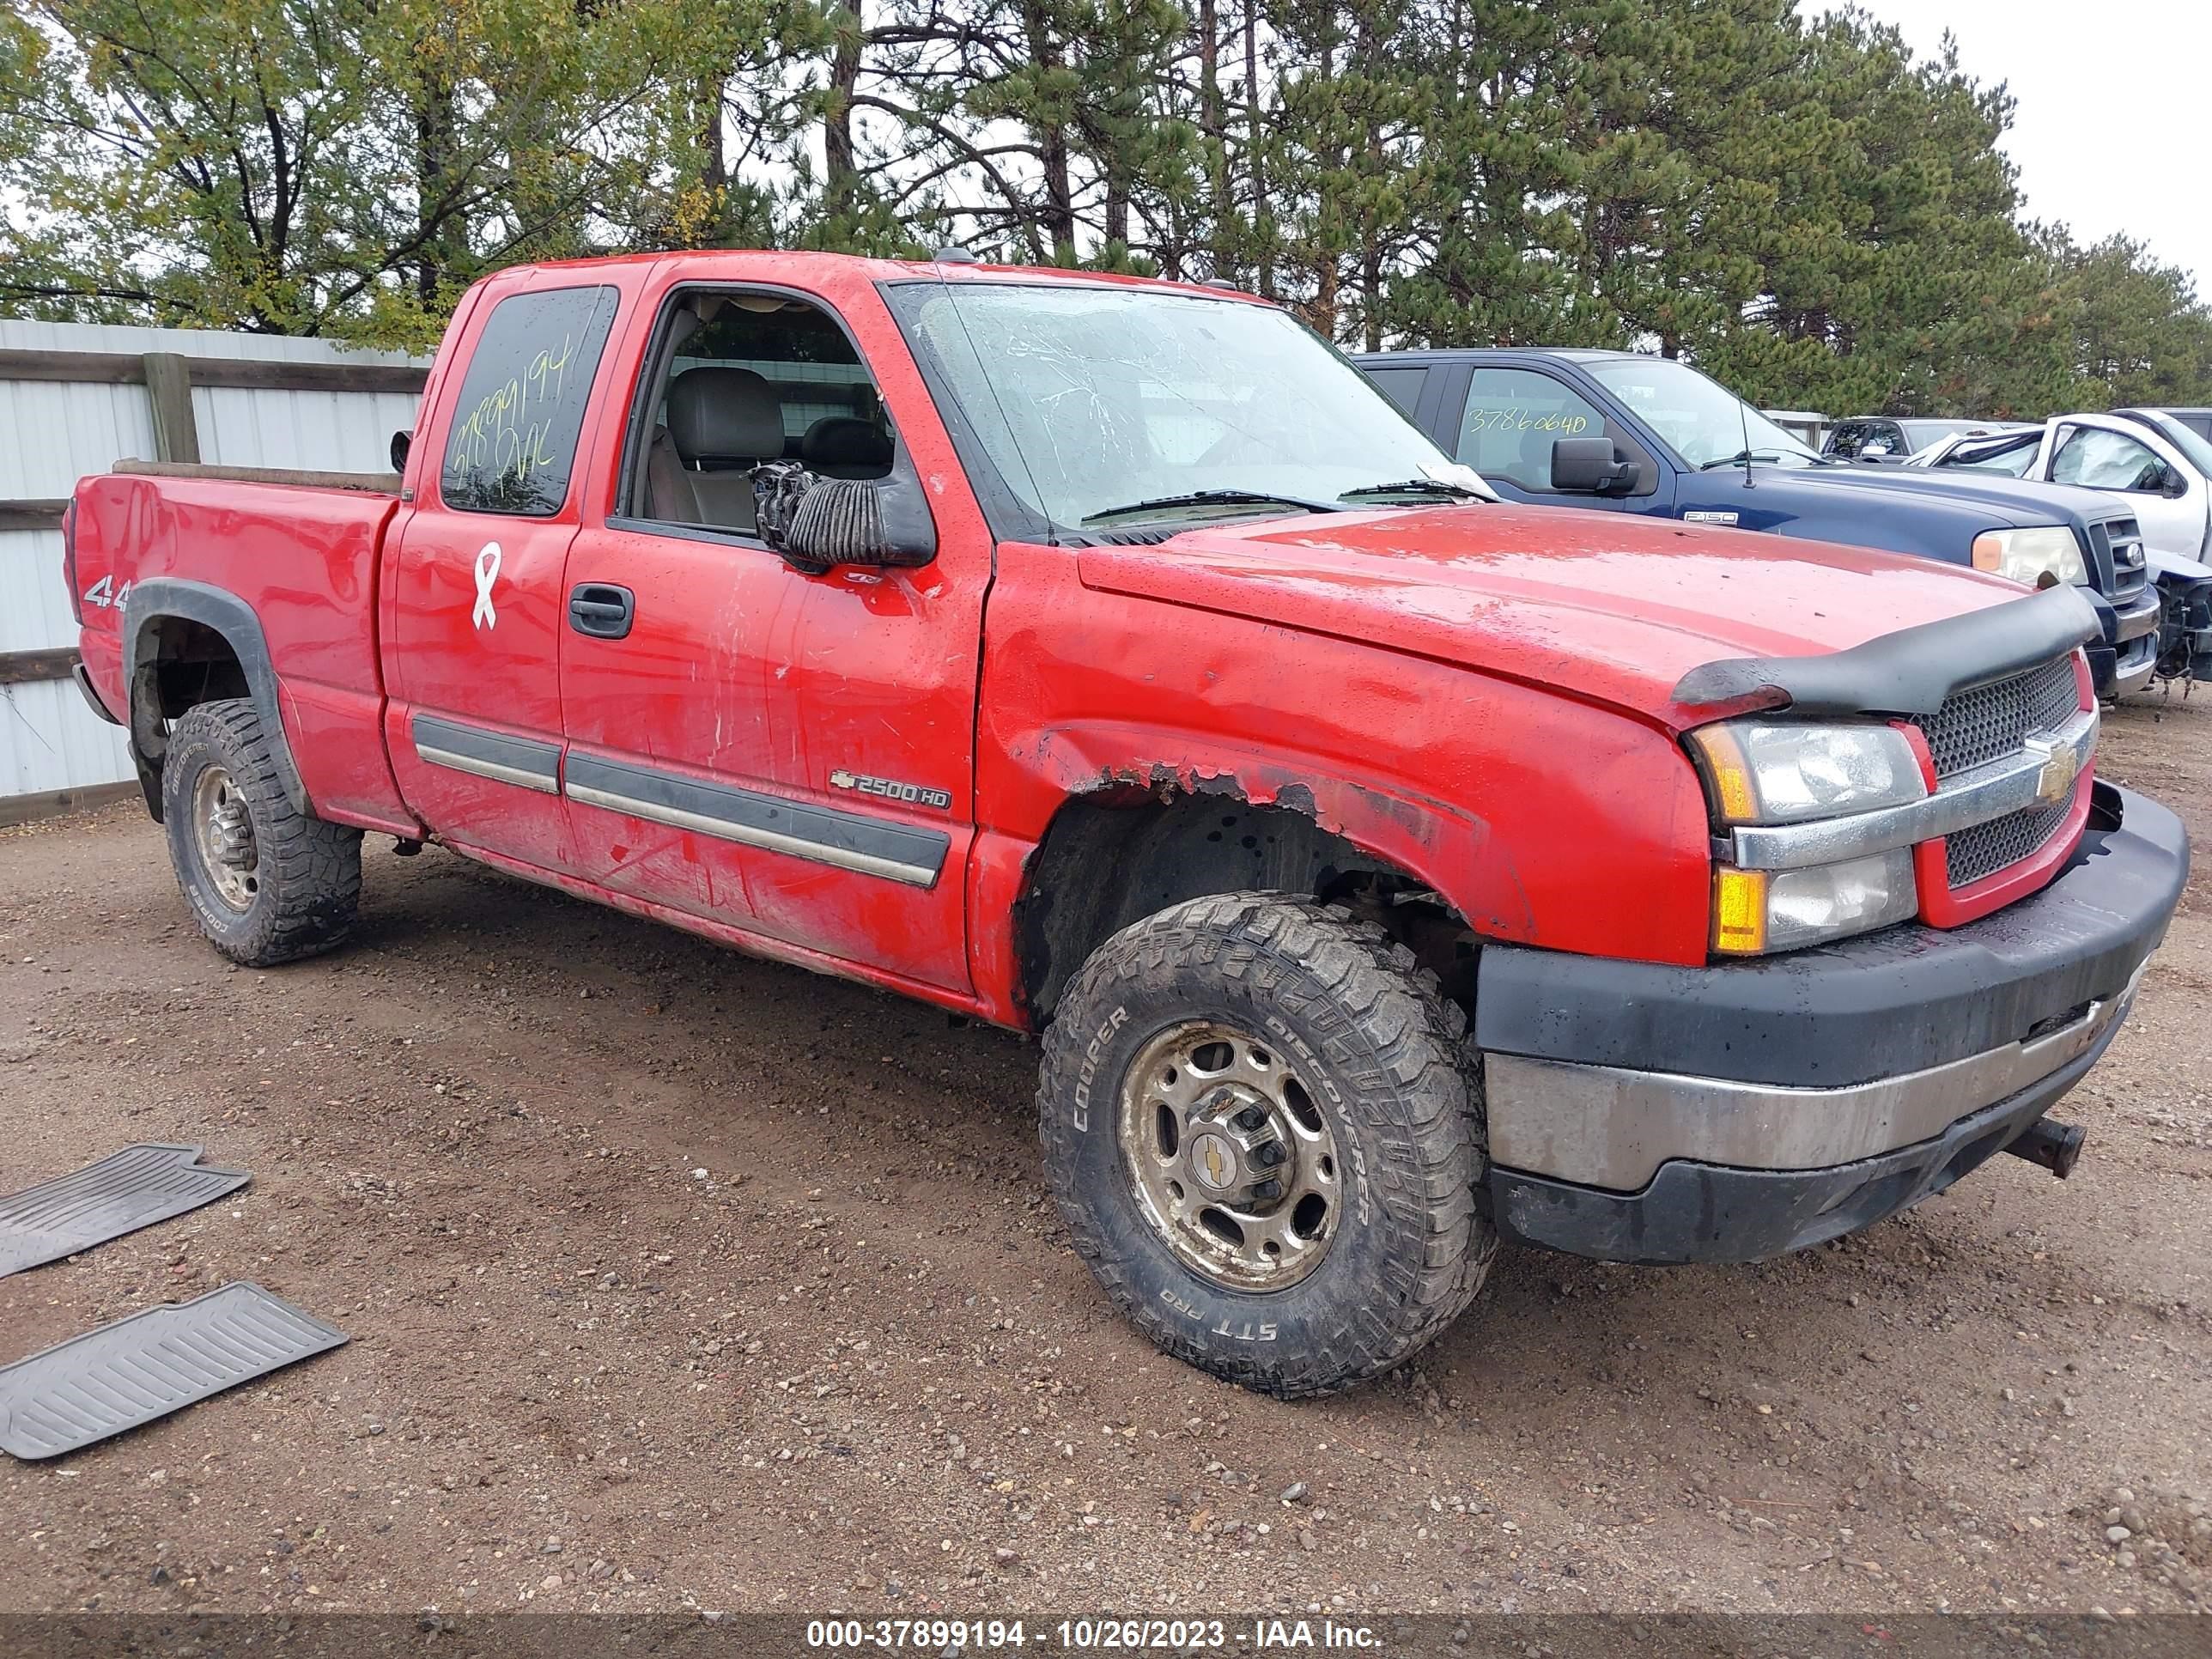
[1415,487]
[1211,498]
[1743,455]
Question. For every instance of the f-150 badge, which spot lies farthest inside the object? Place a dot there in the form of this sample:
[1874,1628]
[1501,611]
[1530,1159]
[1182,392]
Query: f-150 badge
[891,789]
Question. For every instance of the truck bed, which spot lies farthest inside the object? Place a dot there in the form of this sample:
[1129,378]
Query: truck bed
[308,545]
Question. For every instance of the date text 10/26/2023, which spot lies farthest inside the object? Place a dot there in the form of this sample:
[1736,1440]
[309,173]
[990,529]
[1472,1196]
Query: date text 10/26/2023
[1091,1635]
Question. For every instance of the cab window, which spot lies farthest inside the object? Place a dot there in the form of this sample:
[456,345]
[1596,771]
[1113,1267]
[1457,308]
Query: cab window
[512,447]
[1855,438]
[1845,439]
[1514,417]
[2106,460]
[740,380]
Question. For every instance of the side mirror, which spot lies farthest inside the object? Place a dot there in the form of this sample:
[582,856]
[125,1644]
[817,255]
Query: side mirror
[401,441]
[1591,466]
[2174,484]
[818,523]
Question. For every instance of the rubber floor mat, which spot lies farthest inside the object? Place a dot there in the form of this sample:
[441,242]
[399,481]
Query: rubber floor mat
[149,1365]
[135,1188]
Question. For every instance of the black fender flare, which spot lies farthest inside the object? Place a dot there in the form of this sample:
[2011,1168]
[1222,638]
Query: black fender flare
[151,602]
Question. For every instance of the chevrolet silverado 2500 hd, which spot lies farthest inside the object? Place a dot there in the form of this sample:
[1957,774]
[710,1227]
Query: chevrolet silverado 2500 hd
[1387,869]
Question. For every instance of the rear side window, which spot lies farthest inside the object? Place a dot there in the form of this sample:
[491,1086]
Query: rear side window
[512,445]
[1402,386]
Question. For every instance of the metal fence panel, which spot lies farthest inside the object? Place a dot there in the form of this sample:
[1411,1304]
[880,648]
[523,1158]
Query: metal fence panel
[57,429]
[50,742]
[319,431]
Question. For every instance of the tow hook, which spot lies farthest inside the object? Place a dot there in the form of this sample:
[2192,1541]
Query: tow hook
[2054,1145]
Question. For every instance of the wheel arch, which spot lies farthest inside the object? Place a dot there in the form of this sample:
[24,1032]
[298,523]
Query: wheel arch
[1142,841]
[188,642]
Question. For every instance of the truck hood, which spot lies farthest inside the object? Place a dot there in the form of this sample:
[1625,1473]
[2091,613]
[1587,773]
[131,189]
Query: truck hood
[2173,569]
[1993,502]
[1597,605]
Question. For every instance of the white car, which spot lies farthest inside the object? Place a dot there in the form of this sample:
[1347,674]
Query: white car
[2163,467]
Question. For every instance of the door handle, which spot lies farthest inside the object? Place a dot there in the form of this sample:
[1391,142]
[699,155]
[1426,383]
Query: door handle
[602,610]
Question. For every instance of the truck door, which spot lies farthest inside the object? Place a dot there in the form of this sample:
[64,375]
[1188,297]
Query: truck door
[787,754]
[1505,422]
[2167,493]
[476,606]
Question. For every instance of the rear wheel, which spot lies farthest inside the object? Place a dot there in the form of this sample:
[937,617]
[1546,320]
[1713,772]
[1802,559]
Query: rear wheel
[267,883]
[1262,1126]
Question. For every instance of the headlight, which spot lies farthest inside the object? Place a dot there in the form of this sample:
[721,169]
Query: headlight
[1768,772]
[1760,910]
[2041,557]
[1774,772]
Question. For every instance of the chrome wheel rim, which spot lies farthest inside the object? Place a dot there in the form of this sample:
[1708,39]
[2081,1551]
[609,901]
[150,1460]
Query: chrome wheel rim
[225,836]
[1232,1162]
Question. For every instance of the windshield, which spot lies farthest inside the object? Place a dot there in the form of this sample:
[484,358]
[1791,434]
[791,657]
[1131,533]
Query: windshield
[1919,434]
[2194,448]
[1089,401]
[1704,423]
[2012,456]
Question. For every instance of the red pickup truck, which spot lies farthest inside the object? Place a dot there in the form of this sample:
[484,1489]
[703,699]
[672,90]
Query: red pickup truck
[1387,870]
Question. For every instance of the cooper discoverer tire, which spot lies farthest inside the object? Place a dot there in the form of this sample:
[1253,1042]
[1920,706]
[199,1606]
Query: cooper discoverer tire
[268,884]
[1263,1128]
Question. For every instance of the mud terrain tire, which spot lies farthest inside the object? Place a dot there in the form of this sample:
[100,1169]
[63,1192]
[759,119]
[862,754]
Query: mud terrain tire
[1385,1080]
[267,883]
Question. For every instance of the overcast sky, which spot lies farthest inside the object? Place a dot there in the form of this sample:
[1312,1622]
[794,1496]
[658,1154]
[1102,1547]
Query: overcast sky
[2110,133]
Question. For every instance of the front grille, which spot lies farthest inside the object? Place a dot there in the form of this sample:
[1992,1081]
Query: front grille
[2123,540]
[1991,721]
[1970,854]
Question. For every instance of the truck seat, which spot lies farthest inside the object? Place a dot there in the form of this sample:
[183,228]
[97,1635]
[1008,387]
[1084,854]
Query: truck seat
[722,424]
[846,446]
[668,496]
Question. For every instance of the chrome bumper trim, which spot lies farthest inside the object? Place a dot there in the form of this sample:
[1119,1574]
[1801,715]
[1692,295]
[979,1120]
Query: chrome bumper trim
[1610,1127]
[2143,619]
[2134,675]
[2041,775]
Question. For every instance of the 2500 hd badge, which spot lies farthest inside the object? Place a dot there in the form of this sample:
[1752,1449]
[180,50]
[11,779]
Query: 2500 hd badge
[913,794]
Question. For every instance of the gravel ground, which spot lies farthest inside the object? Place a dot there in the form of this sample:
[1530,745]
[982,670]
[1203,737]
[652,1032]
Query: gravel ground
[678,1280]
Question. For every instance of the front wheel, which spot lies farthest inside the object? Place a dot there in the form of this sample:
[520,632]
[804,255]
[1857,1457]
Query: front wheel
[1262,1127]
[267,883]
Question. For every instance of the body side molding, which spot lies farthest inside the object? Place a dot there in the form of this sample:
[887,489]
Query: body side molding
[851,841]
[525,762]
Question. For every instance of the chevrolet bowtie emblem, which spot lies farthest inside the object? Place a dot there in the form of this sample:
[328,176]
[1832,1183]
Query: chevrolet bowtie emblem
[1216,1167]
[2056,780]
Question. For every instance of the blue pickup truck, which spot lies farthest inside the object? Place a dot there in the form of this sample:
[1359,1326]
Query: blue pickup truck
[1639,434]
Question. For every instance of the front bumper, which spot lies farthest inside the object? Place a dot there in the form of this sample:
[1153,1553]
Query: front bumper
[1644,1113]
[2124,659]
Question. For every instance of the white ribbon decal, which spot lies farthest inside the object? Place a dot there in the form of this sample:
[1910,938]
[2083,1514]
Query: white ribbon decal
[486,573]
